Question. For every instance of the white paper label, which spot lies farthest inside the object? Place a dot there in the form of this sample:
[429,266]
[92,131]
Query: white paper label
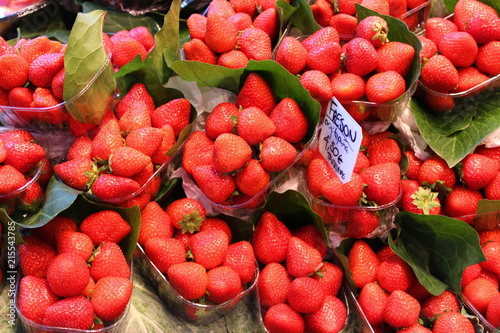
[340,139]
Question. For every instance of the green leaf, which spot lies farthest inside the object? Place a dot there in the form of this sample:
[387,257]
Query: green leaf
[82,207]
[168,38]
[291,208]
[398,32]
[300,17]
[89,82]
[454,147]
[116,21]
[438,249]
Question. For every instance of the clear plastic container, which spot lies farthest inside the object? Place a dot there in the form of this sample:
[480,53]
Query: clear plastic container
[30,326]
[415,18]
[188,311]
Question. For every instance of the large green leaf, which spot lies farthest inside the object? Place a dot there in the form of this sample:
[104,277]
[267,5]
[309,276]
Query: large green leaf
[438,249]
[300,16]
[455,146]
[89,82]
[450,4]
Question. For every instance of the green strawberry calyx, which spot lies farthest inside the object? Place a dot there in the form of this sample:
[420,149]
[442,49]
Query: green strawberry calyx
[424,199]
[191,222]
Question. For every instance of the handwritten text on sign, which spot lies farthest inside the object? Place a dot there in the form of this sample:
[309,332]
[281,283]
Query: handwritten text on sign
[340,139]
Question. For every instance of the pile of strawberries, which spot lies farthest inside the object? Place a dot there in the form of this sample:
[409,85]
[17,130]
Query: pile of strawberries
[233,32]
[342,14]
[392,298]
[117,160]
[196,252]
[75,277]
[24,171]
[297,288]
[368,67]
[245,143]
[459,53]
[125,45]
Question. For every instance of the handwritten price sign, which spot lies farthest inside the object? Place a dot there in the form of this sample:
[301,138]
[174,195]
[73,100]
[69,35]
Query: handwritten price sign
[340,139]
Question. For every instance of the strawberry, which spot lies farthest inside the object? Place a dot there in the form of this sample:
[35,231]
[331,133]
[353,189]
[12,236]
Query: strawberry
[372,299]
[439,74]
[143,35]
[322,11]
[14,71]
[464,10]
[362,162]
[395,274]
[186,214]
[305,295]
[380,6]
[137,116]
[490,251]
[311,235]
[383,182]
[74,241]
[345,24]
[321,37]
[288,115]
[197,50]
[230,152]
[492,311]
[301,258]
[330,277]
[348,87]
[363,263]
[189,279]
[220,34]
[217,186]
[419,200]
[20,97]
[161,155]
[57,84]
[343,194]
[111,297]
[437,27]
[23,155]
[233,59]
[318,172]
[146,140]
[479,170]
[44,98]
[43,69]
[10,179]
[362,223]
[244,6]
[436,169]
[462,41]
[479,292]
[35,257]
[488,60]
[385,86]
[360,56]
[48,232]
[255,43]
[35,47]
[418,291]
[268,21]
[107,140]
[402,310]
[395,56]
[34,297]
[273,284]
[491,191]
[383,151]
[72,312]
[415,328]
[137,93]
[155,222]
[241,21]
[282,318]
[470,273]
[196,24]
[429,48]
[469,77]
[439,304]
[331,317]
[462,201]
[112,187]
[68,274]
[256,92]
[109,261]
[277,154]
[127,161]
[220,7]
[105,226]
[175,113]
[483,26]
[397,8]
[81,147]
[224,284]
[221,120]
[198,150]
[268,228]
[452,322]
[125,49]
[252,178]
[240,257]
[318,85]
[5,47]
[254,126]
[209,247]
[373,29]
[325,58]
[291,54]
[219,224]
[77,173]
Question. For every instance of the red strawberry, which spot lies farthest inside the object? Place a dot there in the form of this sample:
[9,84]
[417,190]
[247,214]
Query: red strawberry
[402,310]
[437,27]
[252,178]
[217,186]
[270,239]
[345,24]
[395,274]
[220,7]
[241,21]
[20,97]
[220,34]
[221,120]
[81,147]
[146,140]
[362,223]
[105,226]
[382,180]
[395,56]
[373,29]
[372,299]
[5,47]
[490,251]
[416,328]
[462,201]
[464,10]
[469,78]
[361,56]
[209,247]
[343,194]
[321,37]
[322,11]
[219,224]
[488,60]
[492,311]
[311,235]
[125,49]
[439,304]
[268,21]
[318,85]
[470,273]
[48,232]
[43,69]
[23,155]
[111,296]
[233,59]
[348,87]
[186,214]
[429,48]
[397,8]
[479,292]
[10,179]
[196,24]
[240,257]
[362,162]
[189,279]
[288,115]
[479,170]
[44,98]
[72,312]
[385,86]
[253,125]
[301,258]
[77,173]
[161,155]
[137,94]
[419,200]
[318,172]
[107,139]
[175,113]
[74,241]
[273,284]
[224,284]
[331,317]
[256,92]
[291,54]
[380,6]
[155,222]
[128,161]
[68,274]
[325,58]
[35,47]
[14,71]
[34,297]
[483,26]
[32,196]
[330,277]
[35,257]
[439,74]
[244,6]
[452,322]
[198,151]
[305,295]
[109,261]
[197,50]
[363,263]
[383,151]
[112,187]
[255,43]
[436,169]
[492,190]
[462,41]
[230,152]
[282,318]
[277,154]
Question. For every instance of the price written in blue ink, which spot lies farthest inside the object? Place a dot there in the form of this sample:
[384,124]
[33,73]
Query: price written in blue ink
[340,139]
